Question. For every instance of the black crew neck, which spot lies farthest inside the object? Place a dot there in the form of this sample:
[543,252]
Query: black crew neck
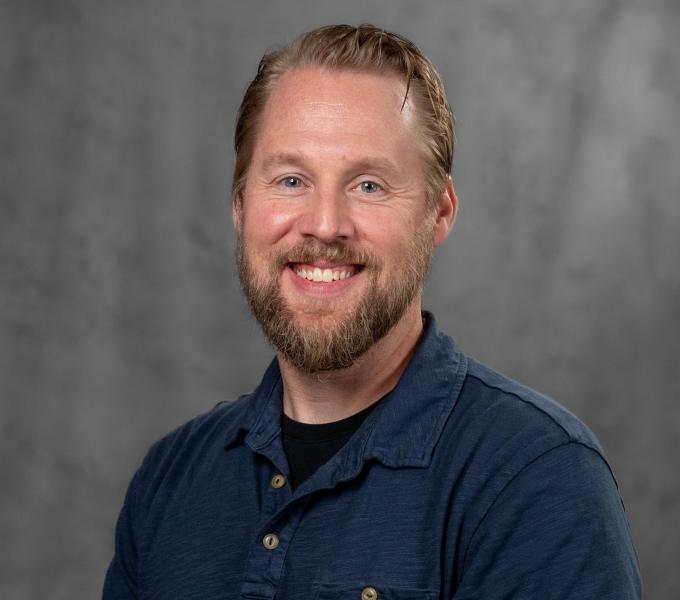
[319,432]
[310,445]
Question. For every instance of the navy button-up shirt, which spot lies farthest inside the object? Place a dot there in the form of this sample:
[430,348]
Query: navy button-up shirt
[461,484]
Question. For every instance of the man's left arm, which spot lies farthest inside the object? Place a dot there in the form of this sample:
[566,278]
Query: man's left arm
[557,530]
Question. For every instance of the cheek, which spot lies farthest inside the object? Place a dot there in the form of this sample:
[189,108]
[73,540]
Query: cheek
[390,235]
[389,246]
[266,223]
[398,244]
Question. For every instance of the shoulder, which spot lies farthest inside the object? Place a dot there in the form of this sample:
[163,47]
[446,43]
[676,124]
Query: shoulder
[198,441]
[500,428]
[504,394]
[223,420]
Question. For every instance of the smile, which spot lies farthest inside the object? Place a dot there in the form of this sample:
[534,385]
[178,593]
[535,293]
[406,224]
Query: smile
[324,275]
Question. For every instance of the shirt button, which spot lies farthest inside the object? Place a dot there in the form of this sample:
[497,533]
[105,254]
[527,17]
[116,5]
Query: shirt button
[278,481]
[369,593]
[270,541]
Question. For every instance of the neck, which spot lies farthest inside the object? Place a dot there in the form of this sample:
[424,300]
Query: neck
[334,395]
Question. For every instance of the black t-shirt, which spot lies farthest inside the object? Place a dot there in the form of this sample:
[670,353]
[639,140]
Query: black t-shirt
[308,446]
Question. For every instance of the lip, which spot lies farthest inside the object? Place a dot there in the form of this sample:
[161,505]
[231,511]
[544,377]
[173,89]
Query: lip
[321,289]
[327,264]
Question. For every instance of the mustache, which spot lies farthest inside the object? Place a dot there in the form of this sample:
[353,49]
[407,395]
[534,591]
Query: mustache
[337,252]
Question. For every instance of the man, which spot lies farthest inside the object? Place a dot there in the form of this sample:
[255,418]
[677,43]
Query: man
[375,460]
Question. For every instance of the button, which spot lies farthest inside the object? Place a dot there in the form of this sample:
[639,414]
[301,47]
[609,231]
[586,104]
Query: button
[278,481]
[270,541]
[369,593]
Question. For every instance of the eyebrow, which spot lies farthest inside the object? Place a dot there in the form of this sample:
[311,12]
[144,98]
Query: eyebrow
[282,158]
[376,163]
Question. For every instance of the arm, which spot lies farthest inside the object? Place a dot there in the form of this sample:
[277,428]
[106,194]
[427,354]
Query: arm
[121,577]
[557,530]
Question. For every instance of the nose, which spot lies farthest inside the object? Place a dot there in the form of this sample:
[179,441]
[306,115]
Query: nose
[326,216]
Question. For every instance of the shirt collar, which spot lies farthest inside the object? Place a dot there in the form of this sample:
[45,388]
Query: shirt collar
[412,416]
[402,431]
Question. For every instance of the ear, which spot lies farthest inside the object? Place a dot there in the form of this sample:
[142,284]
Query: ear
[447,208]
[237,211]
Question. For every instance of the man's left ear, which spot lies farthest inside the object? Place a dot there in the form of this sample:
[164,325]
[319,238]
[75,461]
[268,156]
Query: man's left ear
[447,208]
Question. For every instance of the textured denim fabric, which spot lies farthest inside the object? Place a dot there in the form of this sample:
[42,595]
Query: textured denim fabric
[461,484]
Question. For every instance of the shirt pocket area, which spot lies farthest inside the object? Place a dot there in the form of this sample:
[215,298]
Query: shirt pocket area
[372,591]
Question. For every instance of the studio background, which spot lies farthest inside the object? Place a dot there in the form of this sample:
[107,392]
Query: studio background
[120,312]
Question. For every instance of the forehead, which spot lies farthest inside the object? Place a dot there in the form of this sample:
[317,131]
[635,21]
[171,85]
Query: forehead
[337,108]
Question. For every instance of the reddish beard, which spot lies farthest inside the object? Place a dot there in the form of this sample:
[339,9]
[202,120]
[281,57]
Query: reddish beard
[315,348]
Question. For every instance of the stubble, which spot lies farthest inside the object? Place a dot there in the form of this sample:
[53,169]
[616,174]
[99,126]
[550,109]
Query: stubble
[317,346]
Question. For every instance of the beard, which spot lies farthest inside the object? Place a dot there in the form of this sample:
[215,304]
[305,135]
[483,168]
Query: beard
[321,346]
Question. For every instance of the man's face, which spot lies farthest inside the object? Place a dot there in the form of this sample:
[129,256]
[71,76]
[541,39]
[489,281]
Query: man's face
[334,237]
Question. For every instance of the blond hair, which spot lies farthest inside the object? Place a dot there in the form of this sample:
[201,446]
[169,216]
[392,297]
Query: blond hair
[364,48]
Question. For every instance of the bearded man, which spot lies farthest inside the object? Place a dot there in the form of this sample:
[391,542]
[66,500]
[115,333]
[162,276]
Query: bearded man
[374,460]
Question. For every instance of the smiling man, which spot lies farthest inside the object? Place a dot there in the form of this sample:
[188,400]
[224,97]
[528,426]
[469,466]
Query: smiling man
[374,460]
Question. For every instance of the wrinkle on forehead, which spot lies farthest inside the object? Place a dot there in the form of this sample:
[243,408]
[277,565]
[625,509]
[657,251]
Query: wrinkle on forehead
[320,116]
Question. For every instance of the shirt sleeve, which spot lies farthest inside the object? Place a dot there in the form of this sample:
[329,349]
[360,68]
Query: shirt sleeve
[121,577]
[557,530]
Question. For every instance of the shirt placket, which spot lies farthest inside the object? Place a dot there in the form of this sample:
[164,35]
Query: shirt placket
[280,518]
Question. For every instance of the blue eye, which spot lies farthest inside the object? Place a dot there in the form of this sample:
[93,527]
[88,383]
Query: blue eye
[292,182]
[369,187]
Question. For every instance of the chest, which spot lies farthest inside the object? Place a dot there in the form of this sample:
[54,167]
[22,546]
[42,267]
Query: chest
[247,535]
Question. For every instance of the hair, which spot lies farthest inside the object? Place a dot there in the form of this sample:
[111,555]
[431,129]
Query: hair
[364,48]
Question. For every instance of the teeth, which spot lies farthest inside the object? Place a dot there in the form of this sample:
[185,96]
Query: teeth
[326,275]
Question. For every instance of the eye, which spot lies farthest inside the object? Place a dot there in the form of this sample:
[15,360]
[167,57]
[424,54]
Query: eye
[291,182]
[369,187]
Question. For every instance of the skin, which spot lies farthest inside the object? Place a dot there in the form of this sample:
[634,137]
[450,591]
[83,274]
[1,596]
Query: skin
[335,159]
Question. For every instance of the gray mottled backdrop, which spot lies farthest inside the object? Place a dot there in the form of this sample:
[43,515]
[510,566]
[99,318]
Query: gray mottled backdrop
[120,316]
